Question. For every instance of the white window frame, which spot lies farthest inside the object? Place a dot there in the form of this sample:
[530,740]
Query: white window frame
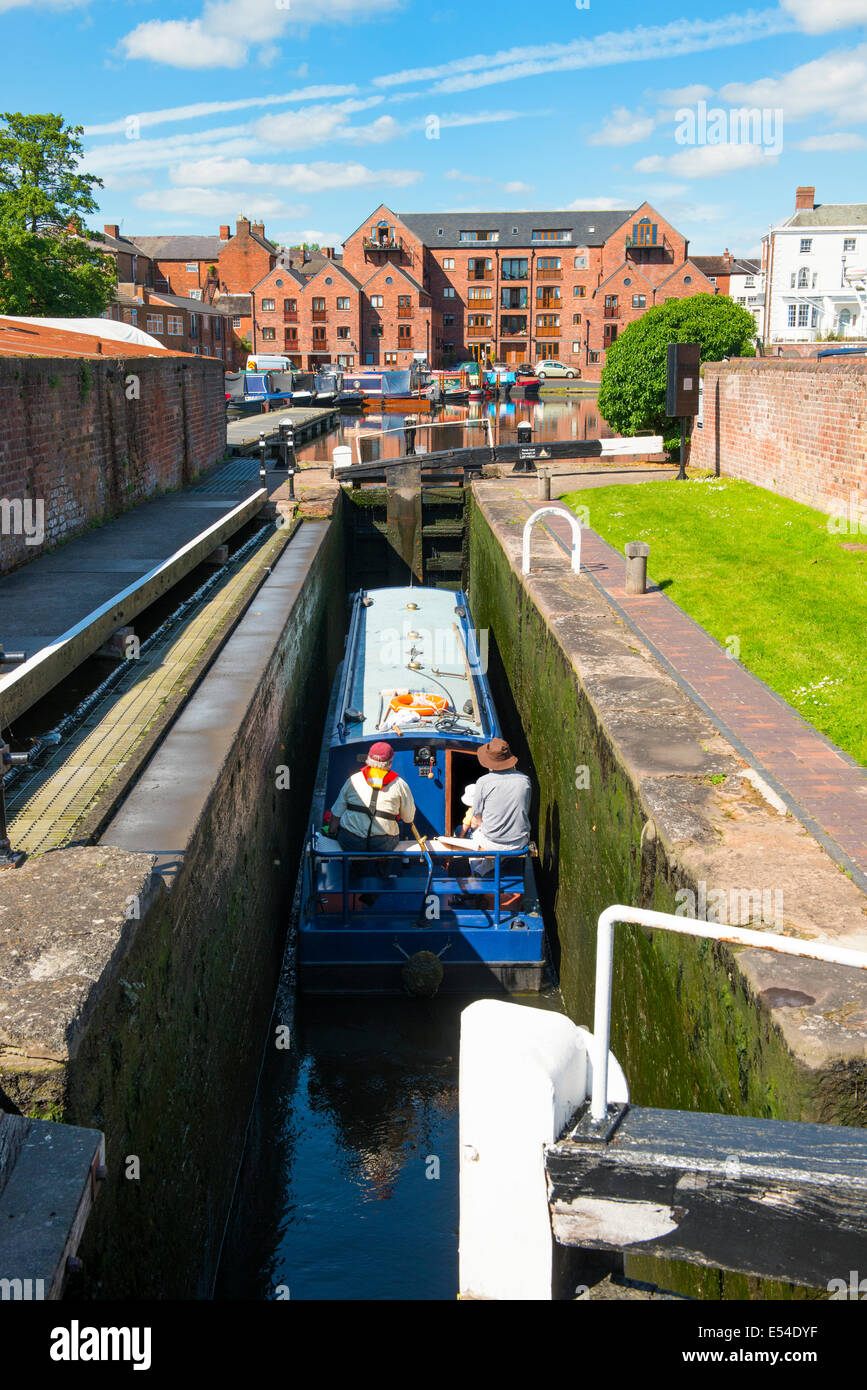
[175,326]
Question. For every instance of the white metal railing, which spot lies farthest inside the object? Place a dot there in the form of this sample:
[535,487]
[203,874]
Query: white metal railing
[687,926]
[576,536]
[422,425]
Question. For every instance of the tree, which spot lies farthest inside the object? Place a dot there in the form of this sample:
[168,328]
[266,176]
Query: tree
[632,391]
[47,265]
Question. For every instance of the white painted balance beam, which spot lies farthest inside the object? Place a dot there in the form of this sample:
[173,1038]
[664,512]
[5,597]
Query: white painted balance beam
[523,1073]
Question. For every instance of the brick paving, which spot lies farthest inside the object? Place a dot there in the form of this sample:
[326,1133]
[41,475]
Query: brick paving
[820,783]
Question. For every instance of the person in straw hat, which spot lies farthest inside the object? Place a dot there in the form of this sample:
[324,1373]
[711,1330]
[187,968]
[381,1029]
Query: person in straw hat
[500,804]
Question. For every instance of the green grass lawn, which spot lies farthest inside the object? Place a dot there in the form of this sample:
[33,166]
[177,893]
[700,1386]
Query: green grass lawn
[748,564]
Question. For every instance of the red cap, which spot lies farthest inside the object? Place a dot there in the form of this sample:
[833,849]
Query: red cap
[381,750]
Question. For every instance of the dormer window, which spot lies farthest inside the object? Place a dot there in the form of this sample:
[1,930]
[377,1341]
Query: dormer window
[644,232]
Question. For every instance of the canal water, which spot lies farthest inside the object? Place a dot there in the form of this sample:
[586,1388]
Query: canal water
[380,433]
[349,1183]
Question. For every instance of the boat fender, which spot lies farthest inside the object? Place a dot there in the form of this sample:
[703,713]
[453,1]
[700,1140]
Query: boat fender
[422,974]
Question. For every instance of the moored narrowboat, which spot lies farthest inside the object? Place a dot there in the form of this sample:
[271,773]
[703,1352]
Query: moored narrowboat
[435,912]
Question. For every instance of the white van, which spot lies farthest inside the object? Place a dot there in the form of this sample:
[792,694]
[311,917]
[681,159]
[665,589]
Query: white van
[268,362]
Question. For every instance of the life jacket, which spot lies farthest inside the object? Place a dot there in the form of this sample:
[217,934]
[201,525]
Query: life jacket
[374,779]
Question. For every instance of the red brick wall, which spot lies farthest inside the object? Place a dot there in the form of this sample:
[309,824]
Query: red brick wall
[302,348]
[71,438]
[243,261]
[796,428]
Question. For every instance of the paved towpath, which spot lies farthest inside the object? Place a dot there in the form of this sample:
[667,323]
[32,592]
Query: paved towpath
[820,784]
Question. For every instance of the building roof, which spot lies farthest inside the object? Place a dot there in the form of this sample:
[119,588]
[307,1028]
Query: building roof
[19,339]
[515,228]
[830,215]
[196,306]
[234,303]
[180,248]
[104,242]
[334,265]
[387,269]
[720,265]
[314,263]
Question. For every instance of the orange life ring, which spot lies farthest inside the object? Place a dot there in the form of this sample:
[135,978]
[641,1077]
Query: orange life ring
[422,704]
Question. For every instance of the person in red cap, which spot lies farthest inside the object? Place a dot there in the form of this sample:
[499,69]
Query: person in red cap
[371,804]
[500,804]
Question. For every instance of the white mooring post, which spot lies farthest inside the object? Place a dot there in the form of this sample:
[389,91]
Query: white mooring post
[528,530]
[523,1074]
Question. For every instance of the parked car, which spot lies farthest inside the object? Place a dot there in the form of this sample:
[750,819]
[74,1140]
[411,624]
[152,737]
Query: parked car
[551,368]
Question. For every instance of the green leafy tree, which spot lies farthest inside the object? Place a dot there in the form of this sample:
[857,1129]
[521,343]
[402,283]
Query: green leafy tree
[632,391]
[46,263]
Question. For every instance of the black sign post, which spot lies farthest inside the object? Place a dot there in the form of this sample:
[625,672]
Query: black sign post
[683,364]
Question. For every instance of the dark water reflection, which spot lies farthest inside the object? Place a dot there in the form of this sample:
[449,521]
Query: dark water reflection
[575,417]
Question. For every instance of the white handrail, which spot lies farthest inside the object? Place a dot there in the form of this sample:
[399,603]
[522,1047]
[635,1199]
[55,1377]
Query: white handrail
[576,536]
[687,926]
[421,425]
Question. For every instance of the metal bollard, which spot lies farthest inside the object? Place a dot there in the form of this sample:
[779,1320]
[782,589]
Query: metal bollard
[263,467]
[636,567]
[526,453]
[543,486]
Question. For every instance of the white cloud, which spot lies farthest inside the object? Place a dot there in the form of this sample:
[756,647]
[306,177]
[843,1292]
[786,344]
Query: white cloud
[663,190]
[226,30]
[42,4]
[820,16]
[682,96]
[595,204]
[172,114]
[836,84]
[515,186]
[305,178]
[623,127]
[322,238]
[840,140]
[212,203]
[643,43]
[312,125]
[707,161]
[459,177]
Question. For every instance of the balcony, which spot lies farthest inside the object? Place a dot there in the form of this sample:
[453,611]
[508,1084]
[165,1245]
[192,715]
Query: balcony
[319,315]
[549,303]
[320,345]
[479,330]
[548,330]
[474,275]
[404,311]
[549,274]
[382,244]
[290,315]
[611,311]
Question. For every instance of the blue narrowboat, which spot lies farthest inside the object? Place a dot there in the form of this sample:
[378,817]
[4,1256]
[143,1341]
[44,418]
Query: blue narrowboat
[424,916]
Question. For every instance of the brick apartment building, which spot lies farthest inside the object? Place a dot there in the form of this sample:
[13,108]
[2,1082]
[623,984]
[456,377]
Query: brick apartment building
[311,319]
[183,325]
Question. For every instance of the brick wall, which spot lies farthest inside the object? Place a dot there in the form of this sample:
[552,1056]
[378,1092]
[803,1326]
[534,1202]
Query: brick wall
[797,428]
[72,440]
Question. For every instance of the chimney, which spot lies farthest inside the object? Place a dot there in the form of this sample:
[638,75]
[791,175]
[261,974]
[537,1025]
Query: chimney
[258,228]
[727,256]
[805,199]
[242,226]
[224,233]
[112,229]
[329,251]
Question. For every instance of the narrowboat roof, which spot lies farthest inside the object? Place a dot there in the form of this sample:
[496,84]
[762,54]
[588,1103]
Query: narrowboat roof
[431,628]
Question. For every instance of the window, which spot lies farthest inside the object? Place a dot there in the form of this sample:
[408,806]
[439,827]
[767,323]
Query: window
[479,268]
[269,335]
[192,267]
[218,328]
[343,331]
[749,282]
[480,236]
[195,294]
[279,284]
[627,280]
[478,320]
[480,292]
[343,303]
[389,280]
[644,233]
[803,278]
[175,326]
[712,279]
[806,245]
[513,299]
[290,306]
[376,330]
[346,360]
[576,347]
[194,325]
[687,279]
[329,281]
[580,262]
[579,291]
[290,334]
[815,278]
[791,321]
[318,337]
[319,305]
[547,320]
[448,320]
[803,315]
[514,268]
[576,318]
[548,294]
[404,331]
[267,305]
[639,301]
[448,293]
[133,316]
[404,302]
[548,263]
[236,321]
[547,235]
[376,301]
[593,356]
[448,263]
[814,318]
[391,359]
[848,243]
[513,325]
[155,323]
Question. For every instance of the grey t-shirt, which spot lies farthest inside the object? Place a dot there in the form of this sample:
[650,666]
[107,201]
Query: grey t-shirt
[502,799]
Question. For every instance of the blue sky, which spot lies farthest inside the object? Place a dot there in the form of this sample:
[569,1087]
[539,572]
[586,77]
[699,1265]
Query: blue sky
[307,113]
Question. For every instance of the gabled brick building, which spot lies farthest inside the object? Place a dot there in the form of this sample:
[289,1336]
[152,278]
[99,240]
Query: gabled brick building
[310,319]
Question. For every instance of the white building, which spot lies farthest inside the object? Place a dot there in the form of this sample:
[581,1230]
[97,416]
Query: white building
[816,270]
